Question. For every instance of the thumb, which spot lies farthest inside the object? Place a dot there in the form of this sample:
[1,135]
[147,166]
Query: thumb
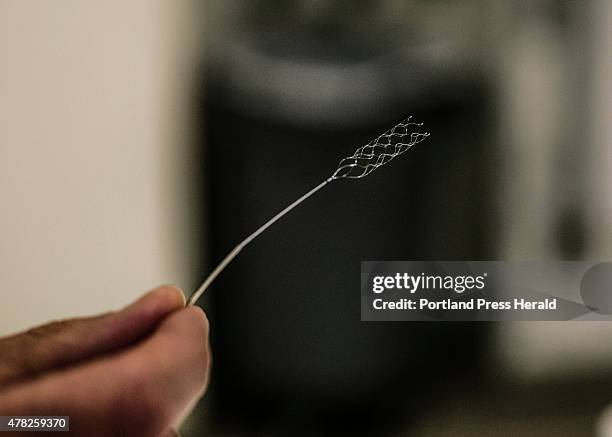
[65,342]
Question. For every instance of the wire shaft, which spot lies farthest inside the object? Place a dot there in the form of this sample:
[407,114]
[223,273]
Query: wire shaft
[236,250]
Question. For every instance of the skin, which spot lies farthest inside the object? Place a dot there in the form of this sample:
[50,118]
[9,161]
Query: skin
[137,371]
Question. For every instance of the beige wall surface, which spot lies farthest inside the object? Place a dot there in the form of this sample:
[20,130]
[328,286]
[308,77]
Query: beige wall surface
[93,143]
[538,84]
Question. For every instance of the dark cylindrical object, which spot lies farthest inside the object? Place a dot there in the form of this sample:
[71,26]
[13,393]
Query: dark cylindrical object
[290,346]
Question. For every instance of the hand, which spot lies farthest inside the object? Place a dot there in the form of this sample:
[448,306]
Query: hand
[133,372]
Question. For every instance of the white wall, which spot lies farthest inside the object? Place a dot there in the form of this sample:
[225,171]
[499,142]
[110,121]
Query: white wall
[537,83]
[94,123]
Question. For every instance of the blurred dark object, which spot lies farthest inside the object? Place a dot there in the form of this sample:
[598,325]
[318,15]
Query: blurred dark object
[284,103]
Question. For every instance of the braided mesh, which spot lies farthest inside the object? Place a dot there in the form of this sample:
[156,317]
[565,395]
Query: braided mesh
[380,150]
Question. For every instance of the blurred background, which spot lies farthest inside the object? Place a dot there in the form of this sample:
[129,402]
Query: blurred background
[140,141]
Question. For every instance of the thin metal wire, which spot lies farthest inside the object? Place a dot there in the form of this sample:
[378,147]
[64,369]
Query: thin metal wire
[364,161]
[236,250]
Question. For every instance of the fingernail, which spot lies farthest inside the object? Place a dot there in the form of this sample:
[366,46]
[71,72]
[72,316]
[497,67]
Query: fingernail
[170,293]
